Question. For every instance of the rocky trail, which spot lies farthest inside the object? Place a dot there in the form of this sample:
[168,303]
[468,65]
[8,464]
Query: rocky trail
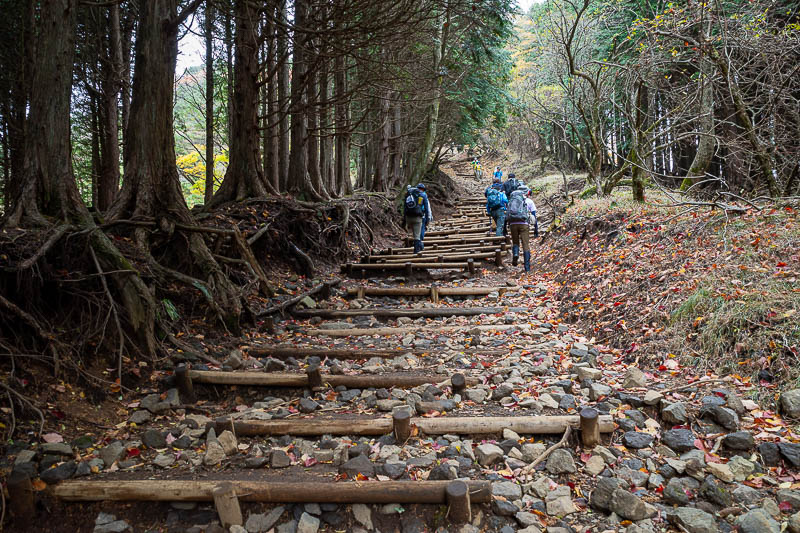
[431,392]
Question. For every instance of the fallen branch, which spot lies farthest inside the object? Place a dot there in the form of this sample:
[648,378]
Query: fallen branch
[49,243]
[280,308]
[30,404]
[548,451]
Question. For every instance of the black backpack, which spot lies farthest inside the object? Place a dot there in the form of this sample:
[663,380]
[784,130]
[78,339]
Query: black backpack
[414,203]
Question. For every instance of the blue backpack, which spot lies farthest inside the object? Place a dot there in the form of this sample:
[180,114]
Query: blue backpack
[414,203]
[493,199]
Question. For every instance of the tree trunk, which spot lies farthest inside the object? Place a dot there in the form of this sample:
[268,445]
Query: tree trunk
[244,177]
[272,116]
[151,188]
[209,30]
[229,72]
[706,141]
[108,182]
[95,142]
[313,133]
[326,140]
[283,97]
[127,40]
[344,185]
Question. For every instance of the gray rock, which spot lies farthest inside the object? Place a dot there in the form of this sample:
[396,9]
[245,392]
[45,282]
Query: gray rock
[24,456]
[604,492]
[507,489]
[628,505]
[741,468]
[792,497]
[598,390]
[716,492]
[260,523]
[214,453]
[745,494]
[561,506]
[140,417]
[739,440]
[794,523]
[634,378]
[287,527]
[279,459]
[228,442]
[234,360]
[790,403]
[675,413]
[363,515]
[475,395]
[757,521]
[725,417]
[154,439]
[488,454]
[359,464]
[164,460]
[676,490]
[307,405]
[637,439]
[561,462]
[307,524]
[117,526]
[57,448]
[679,440]
[695,520]
[59,473]
[530,452]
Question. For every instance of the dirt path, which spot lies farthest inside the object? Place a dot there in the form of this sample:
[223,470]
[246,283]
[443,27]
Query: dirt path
[668,457]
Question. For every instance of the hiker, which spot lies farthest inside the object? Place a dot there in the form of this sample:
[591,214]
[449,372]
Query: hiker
[520,209]
[415,209]
[511,185]
[476,167]
[498,173]
[428,218]
[496,202]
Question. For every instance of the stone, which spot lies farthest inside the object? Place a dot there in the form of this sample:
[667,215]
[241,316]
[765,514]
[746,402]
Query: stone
[25,456]
[442,472]
[510,435]
[531,452]
[720,471]
[59,473]
[286,527]
[115,526]
[507,489]
[504,508]
[488,454]
[794,523]
[725,417]
[715,492]
[695,520]
[679,440]
[234,360]
[561,507]
[214,453]
[140,416]
[475,395]
[792,497]
[770,453]
[637,439]
[739,440]
[307,524]
[652,397]
[164,460]
[57,448]
[588,373]
[745,494]
[598,390]
[790,452]
[363,515]
[307,405]
[675,413]
[741,468]
[279,459]
[628,505]
[359,464]
[228,442]
[757,521]
[260,523]
[594,465]
[154,439]
[548,401]
[560,462]
[634,378]
[604,492]
[790,403]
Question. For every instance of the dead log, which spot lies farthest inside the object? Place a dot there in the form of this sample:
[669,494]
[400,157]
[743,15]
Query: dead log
[280,308]
[302,258]
[284,352]
[359,332]
[267,491]
[315,379]
[431,312]
[306,427]
[227,505]
[459,509]
[424,291]
[590,430]
[431,257]
[248,255]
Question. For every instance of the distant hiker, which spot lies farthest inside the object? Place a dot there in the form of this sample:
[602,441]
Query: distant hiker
[415,211]
[496,202]
[511,185]
[428,218]
[520,209]
[476,167]
[498,173]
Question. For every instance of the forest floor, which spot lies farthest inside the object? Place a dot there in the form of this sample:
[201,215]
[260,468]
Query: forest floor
[680,321]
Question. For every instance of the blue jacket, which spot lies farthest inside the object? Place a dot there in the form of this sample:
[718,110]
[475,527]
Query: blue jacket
[503,200]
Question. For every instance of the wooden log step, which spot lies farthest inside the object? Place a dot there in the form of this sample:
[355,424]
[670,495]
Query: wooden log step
[360,332]
[462,240]
[282,379]
[361,292]
[266,491]
[432,252]
[481,245]
[352,269]
[283,352]
[433,257]
[456,425]
[429,312]
[457,231]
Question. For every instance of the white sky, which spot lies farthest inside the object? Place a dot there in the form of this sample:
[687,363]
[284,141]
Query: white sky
[191,47]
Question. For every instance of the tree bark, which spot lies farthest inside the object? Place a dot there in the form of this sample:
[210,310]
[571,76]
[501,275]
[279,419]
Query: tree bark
[111,71]
[209,31]
[344,186]
[151,189]
[272,115]
[706,141]
[313,133]
[244,177]
[283,97]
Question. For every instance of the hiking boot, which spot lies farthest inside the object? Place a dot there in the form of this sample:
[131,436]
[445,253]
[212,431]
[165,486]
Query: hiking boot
[417,246]
[514,255]
[527,256]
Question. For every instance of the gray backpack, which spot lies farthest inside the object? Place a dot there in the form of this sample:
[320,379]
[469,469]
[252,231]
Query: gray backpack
[517,210]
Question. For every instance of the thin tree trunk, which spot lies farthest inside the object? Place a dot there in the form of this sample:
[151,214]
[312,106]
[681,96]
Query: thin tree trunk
[209,31]
[108,182]
[229,72]
[706,140]
[314,171]
[272,120]
[95,142]
[343,183]
[283,98]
